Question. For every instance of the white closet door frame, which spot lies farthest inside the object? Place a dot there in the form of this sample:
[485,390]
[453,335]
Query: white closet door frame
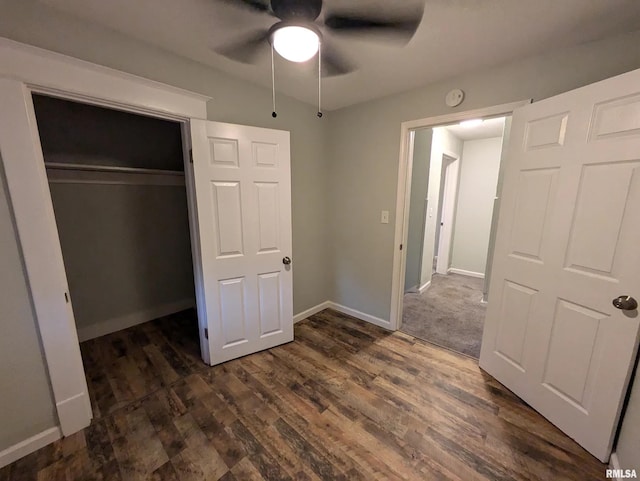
[25,70]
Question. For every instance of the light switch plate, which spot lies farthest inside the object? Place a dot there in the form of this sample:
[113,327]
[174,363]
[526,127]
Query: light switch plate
[384,217]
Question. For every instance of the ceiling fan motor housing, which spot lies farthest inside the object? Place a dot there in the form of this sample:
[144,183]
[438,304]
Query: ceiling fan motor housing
[307,10]
[304,14]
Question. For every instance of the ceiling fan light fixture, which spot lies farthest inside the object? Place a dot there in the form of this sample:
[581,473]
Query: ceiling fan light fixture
[296,43]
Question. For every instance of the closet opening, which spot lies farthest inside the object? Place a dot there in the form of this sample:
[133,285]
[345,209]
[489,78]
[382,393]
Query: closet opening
[120,197]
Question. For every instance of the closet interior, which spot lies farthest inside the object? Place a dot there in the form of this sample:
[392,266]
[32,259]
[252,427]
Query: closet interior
[117,182]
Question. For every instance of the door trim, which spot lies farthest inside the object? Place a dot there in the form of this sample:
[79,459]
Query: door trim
[25,70]
[450,202]
[404,191]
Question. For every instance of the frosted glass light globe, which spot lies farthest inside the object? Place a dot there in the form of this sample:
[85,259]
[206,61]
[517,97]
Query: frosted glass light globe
[297,44]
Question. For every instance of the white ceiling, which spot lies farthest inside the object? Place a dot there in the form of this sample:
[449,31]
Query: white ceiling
[455,36]
[488,129]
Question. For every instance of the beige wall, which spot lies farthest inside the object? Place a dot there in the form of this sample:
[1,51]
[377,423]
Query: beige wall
[363,154]
[126,250]
[26,406]
[365,141]
[234,101]
[26,401]
[364,146]
[474,208]
[340,250]
[417,204]
[444,143]
[628,446]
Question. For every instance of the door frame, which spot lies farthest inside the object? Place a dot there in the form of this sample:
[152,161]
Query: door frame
[506,136]
[24,70]
[404,190]
[450,202]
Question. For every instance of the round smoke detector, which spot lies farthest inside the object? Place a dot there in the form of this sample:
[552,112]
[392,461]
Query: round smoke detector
[454,98]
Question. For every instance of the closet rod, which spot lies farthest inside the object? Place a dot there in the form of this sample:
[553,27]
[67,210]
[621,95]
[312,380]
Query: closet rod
[110,168]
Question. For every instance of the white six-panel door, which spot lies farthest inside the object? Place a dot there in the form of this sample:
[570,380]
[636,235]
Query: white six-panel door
[568,243]
[243,197]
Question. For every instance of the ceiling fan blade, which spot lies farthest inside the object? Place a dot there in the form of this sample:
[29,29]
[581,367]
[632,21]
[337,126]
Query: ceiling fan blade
[334,63]
[247,49]
[253,5]
[348,22]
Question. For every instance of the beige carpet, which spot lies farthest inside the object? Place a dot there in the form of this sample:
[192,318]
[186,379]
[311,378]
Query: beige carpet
[448,314]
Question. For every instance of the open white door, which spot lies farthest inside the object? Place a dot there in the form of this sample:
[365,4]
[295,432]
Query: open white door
[243,198]
[567,245]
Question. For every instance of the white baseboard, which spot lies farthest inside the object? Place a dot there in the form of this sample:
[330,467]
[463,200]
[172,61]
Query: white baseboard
[462,272]
[424,287]
[74,413]
[345,310]
[311,311]
[28,446]
[118,323]
[360,315]
[614,463]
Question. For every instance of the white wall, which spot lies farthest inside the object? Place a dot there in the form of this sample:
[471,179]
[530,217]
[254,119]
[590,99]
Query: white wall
[628,446]
[476,193]
[444,142]
[419,184]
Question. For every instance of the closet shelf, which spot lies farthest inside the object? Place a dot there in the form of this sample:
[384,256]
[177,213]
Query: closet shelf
[110,168]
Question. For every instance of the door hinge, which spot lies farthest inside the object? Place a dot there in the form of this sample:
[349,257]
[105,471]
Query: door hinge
[66,297]
[191,156]
[206,333]
[400,246]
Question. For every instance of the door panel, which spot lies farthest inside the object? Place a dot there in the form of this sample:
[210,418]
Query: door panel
[243,192]
[616,117]
[268,218]
[566,247]
[228,218]
[270,305]
[547,132]
[571,351]
[535,187]
[517,303]
[600,208]
[232,311]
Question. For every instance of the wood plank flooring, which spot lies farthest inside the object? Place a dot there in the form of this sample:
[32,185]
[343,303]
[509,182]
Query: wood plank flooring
[344,401]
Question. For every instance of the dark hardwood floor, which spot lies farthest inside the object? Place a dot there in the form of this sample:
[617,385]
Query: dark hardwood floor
[345,400]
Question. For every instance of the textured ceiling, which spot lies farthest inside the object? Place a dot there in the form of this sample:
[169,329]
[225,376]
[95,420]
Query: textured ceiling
[454,37]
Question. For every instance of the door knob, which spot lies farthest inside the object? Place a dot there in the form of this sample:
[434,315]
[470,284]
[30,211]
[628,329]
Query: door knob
[286,261]
[626,303]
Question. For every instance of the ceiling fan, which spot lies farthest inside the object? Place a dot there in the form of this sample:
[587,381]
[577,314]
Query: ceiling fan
[298,34]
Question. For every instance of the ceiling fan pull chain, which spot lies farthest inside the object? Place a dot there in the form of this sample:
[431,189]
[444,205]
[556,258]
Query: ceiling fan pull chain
[320,80]
[274,114]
